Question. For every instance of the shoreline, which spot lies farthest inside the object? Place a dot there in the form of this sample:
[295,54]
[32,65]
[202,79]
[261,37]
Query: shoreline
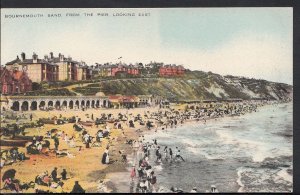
[126,171]
[94,172]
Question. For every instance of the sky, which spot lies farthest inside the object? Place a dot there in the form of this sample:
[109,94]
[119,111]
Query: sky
[250,42]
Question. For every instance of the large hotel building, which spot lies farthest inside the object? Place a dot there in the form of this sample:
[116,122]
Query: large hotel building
[50,68]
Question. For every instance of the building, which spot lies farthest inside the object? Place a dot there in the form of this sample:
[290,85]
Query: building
[102,70]
[67,68]
[120,101]
[26,103]
[150,100]
[51,68]
[14,82]
[125,69]
[38,70]
[84,72]
[112,70]
[171,70]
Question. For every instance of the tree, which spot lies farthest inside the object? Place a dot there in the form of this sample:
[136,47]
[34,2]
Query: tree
[36,86]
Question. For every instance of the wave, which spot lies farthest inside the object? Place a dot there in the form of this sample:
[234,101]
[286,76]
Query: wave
[273,174]
[239,180]
[283,173]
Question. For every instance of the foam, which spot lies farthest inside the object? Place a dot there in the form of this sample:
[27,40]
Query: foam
[158,167]
[239,180]
[284,175]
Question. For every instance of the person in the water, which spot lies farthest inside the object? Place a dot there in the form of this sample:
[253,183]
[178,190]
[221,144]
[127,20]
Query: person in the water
[177,155]
[171,153]
[166,152]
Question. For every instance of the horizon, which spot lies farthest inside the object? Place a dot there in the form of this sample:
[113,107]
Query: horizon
[244,42]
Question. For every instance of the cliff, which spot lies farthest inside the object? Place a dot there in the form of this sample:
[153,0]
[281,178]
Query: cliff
[194,85]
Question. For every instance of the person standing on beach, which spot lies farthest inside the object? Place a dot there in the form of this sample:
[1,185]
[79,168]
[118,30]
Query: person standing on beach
[140,171]
[64,174]
[54,174]
[88,141]
[56,142]
[77,188]
[105,157]
[132,173]
[153,181]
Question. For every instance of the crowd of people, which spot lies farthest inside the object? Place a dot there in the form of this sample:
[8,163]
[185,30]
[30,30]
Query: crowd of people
[53,183]
[142,172]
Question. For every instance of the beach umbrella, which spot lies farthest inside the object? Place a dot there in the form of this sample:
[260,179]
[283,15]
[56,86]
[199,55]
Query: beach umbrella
[9,174]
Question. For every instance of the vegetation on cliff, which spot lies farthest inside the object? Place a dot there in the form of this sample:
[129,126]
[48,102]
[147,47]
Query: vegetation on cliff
[194,85]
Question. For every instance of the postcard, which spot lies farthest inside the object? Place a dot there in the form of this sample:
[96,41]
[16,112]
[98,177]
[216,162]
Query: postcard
[145,100]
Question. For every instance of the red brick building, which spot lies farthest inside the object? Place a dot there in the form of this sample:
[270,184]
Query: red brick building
[14,82]
[37,70]
[129,69]
[171,70]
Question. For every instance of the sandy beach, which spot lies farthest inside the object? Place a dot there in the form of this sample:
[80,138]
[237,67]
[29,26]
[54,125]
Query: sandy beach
[85,166]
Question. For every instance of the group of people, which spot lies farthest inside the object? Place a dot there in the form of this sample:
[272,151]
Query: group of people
[143,171]
[11,156]
[56,183]
[14,185]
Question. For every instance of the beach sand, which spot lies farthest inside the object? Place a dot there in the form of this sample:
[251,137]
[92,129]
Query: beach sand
[86,166]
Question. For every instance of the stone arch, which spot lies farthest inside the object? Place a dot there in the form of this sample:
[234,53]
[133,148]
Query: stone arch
[104,103]
[88,103]
[77,104]
[42,105]
[50,104]
[82,103]
[57,104]
[93,104]
[71,104]
[34,105]
[64,104]
[15,106]
[97,104]
[25,106]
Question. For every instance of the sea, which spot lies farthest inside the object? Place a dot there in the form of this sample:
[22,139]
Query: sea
[248,153]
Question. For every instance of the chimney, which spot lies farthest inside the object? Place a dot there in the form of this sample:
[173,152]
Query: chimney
[46,57]
[61,57]
[22,56]
[51,55]
[34,58]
